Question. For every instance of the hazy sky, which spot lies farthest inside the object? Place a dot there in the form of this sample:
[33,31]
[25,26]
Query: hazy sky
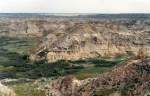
[75,6]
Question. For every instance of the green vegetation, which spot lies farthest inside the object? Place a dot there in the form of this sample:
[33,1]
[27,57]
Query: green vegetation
[100,65]
[90,72]
[11,52]
[27,89]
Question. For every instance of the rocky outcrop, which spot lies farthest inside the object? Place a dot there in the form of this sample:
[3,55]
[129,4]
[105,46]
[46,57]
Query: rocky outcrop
[132,76]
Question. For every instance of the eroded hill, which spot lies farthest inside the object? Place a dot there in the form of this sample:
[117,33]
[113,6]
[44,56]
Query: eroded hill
[131,77]
[73,40]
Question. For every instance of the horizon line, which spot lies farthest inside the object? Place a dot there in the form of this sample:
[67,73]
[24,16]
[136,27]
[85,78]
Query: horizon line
[71,13]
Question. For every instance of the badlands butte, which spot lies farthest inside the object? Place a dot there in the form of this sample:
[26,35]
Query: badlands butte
[73,38]
[83,55]
[82,40]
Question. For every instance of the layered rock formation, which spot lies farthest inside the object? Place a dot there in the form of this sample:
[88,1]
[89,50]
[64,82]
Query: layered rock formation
[132,76]
[15,28]
[73,40]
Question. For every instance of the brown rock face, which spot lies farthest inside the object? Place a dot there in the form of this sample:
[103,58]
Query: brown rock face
[132,76]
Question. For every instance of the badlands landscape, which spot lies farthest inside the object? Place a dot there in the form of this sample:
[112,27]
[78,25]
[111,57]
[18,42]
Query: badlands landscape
[81,55]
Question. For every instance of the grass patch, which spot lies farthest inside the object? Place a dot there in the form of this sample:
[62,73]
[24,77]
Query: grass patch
[90,72]
[27,89]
